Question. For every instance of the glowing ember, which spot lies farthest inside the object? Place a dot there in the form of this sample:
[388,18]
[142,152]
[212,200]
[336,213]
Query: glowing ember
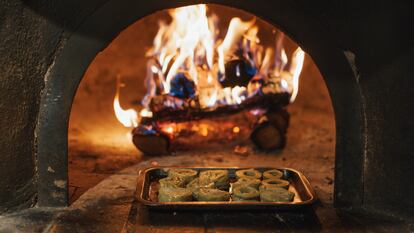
[203,130]
[168,130]
[145,113]
[189,61]
[236,129]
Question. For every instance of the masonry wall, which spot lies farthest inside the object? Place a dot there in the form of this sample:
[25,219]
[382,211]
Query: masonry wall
[28,44]
[376,35]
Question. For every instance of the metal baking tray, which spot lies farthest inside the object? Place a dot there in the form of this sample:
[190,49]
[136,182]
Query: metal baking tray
[148,186]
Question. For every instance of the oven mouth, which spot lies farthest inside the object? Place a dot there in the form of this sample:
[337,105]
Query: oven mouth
[50,148]
[264,127]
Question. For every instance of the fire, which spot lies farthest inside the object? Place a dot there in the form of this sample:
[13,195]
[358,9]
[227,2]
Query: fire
[296,69]
[129,117]
[145,113]
[203,129]
[188,49]
[236,30]
[186,43]
[169,129]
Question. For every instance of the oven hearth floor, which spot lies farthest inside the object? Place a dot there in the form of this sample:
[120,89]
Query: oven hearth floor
[110,206]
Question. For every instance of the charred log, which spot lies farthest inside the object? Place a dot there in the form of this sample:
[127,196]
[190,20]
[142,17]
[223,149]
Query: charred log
[182,87]
[280,119]
[166,108]
[165,102]
[150,141]
[270,131]
[237,73]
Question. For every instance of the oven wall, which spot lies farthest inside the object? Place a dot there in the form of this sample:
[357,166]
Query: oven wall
[29,41]
[379,48]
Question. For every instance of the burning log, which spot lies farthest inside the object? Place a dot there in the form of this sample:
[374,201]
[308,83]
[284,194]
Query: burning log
[150,141]
[197,79]
[182,87]
[166,108]
[165,102]
[270,131]
[280,119]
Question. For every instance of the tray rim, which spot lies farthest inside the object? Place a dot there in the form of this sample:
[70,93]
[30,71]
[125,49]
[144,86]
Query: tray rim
[143,174]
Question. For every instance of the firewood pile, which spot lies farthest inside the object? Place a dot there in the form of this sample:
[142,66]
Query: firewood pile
[268,104]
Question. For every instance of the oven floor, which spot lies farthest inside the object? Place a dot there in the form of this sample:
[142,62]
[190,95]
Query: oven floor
[111,206]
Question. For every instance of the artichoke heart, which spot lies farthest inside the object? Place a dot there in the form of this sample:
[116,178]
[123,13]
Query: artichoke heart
[254,183]
[171,182]
[196,184]
[245,193]
[208,194]
[219,178]
[272,174]
[174,194]
[282,195]
[274,183]
[187,175]
[248,173]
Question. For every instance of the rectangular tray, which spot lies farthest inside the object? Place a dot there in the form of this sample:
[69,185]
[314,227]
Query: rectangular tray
[304,194]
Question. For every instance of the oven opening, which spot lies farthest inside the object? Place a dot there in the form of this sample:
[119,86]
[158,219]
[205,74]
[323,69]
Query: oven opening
[202,85]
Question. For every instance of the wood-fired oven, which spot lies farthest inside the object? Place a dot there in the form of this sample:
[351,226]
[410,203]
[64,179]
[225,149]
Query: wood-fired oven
[70,70]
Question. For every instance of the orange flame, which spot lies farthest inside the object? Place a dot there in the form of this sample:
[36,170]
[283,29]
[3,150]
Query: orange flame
[235,32]
[129,117]
[184,43]
[295,70]
[189,44]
